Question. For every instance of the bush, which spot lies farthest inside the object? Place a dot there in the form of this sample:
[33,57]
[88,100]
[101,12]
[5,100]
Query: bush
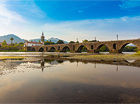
[138,53]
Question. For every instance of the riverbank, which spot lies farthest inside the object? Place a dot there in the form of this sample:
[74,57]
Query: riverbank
[12,57]
[115,59]
[108,57]
[77,56]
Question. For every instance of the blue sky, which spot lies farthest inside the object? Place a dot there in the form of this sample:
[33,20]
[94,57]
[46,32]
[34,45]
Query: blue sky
[71,19]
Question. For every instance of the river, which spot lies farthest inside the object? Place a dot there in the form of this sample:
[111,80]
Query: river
[63,81]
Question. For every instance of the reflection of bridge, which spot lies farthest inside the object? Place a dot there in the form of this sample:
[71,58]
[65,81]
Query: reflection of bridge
[92,47]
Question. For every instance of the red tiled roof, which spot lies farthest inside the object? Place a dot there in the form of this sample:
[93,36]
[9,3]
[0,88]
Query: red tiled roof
[35,42]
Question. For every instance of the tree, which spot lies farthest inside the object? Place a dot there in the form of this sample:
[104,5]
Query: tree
[39,41]
[21,43]
[84,49]
[71,42]
[11,39]
[104,48]
[60,42]
[130,49]
[48,42]
[94,41]
[4,43]
[85,40]
[77,41]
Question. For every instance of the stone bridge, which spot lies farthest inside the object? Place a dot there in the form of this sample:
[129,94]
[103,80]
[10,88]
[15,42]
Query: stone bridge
[92,47]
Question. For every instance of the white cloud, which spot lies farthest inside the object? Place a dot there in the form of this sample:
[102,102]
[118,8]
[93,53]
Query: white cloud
[124,18]
[30,8]
[12,18]
[7,16]
[130,4]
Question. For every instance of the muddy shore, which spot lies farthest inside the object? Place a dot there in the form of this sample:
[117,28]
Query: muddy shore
[115,59]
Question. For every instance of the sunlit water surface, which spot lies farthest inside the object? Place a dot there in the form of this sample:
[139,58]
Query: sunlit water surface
[58,81]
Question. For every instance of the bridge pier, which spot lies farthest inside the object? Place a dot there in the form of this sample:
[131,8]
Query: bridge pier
[92,51]
[114,51]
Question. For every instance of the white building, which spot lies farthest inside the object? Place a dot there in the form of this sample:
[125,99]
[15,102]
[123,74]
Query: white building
[26,44]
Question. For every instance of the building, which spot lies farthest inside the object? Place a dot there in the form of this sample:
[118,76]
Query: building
[32,44]
[1,43]
[27,43]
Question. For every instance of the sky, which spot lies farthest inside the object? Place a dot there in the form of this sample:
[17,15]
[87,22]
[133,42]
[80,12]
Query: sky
[71,19]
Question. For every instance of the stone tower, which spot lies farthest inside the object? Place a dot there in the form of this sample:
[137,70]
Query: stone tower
[42,38]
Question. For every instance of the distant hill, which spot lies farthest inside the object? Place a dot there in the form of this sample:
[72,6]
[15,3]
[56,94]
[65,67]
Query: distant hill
[7,38]
[55,40]
[18,39]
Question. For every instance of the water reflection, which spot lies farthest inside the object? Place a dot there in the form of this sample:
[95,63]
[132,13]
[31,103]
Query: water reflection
[42,64]
[59,81]
[8,66]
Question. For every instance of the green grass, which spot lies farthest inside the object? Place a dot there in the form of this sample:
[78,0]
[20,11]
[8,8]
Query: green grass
[14,51]
[8,50]
[12,57]
[107,56]
[138,53]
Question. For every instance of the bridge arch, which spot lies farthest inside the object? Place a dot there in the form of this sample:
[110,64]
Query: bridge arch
[41,49]
[80,48]
[52,49]
[65,49]
[101,45]
[33,49]
[124,45]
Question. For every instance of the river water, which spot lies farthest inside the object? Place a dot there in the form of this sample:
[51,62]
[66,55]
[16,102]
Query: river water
[63,81]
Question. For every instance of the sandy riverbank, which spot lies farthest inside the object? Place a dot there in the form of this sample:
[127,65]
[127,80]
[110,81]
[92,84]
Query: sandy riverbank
[106,57]
[81,56]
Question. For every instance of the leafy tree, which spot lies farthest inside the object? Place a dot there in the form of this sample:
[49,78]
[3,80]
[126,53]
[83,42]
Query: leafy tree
[11,39]
[84,49]
[85,40]
[60,42]
[21,43]
[94,41]
[77,42]
[104,48]
[48,42]
[39,41]
[71,42]
[4,43]
[130,49]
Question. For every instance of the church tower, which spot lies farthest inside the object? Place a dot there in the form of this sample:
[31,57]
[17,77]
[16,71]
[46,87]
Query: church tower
[42,38]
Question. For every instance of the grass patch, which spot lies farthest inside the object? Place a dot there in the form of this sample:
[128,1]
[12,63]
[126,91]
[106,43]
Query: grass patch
[12,57]
[108,56]
[15,51]
[138,53]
